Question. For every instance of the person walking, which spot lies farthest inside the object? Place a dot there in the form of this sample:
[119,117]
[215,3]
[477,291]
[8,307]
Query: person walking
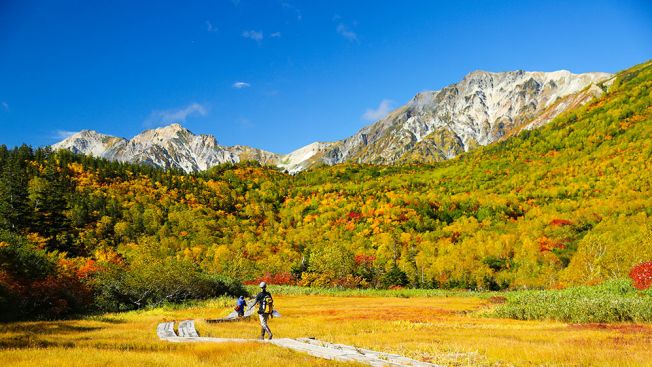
[240,306]
[265,308]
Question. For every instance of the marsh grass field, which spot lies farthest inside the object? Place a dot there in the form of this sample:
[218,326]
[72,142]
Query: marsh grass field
[453,329]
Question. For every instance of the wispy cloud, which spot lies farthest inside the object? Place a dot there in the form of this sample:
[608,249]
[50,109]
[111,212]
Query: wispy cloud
[210,27]
[5,106]
[63,134]
[344,31]
[235,2]
[241,85]
[275,35]
[383,109]
[286,5]
[158,117]
[245,123]
[254,35]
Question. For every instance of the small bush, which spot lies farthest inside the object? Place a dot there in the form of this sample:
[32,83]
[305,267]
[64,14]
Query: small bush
[641,275]
[612,301]
[277,279]
[153,282]
[394,277]
[34,285]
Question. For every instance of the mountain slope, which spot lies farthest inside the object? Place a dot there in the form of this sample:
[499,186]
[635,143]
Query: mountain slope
[477,111]
[90,142]
[303,157]
[482,108]
[570,202]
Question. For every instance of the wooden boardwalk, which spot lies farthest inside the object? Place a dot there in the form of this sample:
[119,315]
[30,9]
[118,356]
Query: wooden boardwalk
[315,348]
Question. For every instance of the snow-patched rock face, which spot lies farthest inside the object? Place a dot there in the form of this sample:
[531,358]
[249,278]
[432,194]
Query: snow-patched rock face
[174,146]
[478,110]
[90,142]
[434,125]
[301,158]
[171,146]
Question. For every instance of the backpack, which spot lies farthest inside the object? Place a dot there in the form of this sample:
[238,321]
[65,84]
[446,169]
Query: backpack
[268,304]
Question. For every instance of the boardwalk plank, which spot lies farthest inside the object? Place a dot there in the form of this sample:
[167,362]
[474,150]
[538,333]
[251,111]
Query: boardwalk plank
[165,330]
[315,348]
[395,359]
[187,329]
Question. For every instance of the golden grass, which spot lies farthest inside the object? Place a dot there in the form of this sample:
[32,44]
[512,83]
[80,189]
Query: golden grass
[129,339]
[449,330]
[197,355]
[446,330]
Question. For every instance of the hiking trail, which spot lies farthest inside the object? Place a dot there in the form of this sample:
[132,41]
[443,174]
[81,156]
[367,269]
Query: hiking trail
[313,347]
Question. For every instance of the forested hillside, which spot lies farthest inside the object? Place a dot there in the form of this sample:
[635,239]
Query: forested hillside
[569,203]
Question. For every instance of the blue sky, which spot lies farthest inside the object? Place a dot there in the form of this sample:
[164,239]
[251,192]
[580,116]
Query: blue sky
[278,74]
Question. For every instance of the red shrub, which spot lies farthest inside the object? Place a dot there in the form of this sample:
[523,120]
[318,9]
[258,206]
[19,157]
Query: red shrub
[87,269]
[548,244]
[641,274]
[362,259]
[560,222]
[278,279]
[350,282]
[354,215]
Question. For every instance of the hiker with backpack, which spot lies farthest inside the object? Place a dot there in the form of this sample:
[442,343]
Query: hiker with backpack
[240,306]
[265,308]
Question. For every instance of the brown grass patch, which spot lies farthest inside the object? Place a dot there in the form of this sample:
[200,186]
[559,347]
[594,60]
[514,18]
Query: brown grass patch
[622,328]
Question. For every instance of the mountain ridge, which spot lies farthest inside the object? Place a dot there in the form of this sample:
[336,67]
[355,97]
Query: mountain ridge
[482,108]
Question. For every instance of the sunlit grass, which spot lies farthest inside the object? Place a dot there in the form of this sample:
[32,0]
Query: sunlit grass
[447,330]
[249,354]
[129,339]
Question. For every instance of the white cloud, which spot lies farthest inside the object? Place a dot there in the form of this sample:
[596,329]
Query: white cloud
[63,134]
[275,35]
[378,113]
[254,35]
[241,85]
[345,32]
[210,27]
[158,117]
[5,106]
[245,123]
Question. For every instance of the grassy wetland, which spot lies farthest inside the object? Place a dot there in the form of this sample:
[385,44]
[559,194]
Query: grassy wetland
[452,329]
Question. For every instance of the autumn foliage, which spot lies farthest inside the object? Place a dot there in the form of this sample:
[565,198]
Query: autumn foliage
[568,203]
[641,275]
[274,279]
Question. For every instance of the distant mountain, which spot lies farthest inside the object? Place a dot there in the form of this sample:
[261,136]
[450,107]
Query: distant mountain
[171,146]
[482,108]
[479,110]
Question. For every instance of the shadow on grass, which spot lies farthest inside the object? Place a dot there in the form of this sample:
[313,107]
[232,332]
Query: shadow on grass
[106,319]
[53,334]
[45,328]
[31,341]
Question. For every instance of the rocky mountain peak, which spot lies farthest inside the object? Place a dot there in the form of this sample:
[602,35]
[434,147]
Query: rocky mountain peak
[480,109]
[89,142]
[434,125]
[171,146]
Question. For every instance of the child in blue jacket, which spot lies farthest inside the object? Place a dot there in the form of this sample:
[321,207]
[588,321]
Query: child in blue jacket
[240,306]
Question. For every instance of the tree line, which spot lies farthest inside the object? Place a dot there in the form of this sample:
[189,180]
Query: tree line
[569,203]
